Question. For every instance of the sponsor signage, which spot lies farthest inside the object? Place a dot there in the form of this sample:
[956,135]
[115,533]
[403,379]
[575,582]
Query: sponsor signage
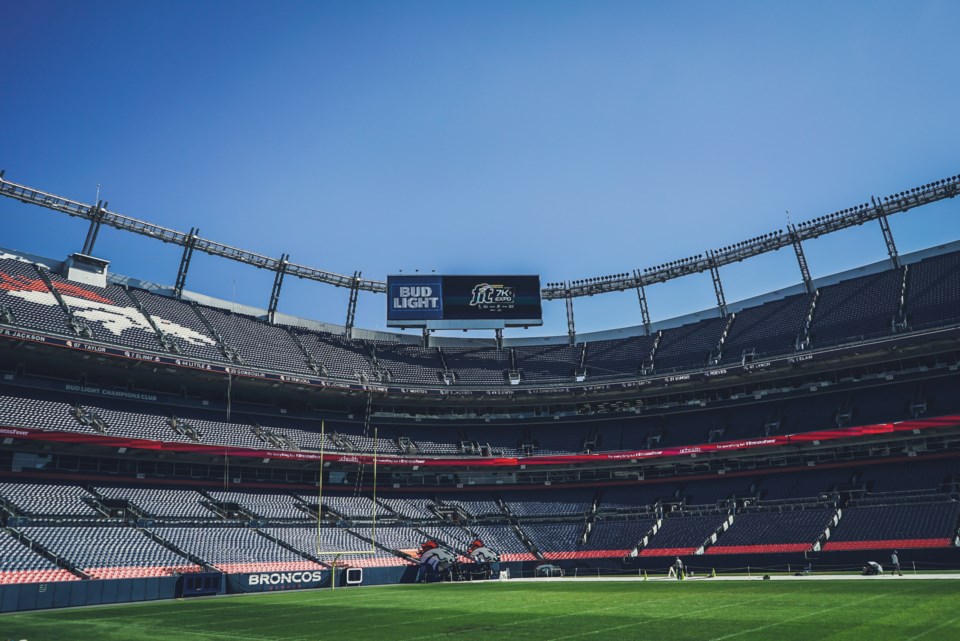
[463,302]
[272,581]
[284,578]
[413,298]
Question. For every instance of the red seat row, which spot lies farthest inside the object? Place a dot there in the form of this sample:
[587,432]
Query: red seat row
[36,576]
[769,548]
[893,544]
[667,551]
[586,554]
[133,572]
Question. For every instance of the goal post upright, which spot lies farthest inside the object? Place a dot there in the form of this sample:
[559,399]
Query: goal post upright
[333,572]
[323,445]
[373,515]
[373,506]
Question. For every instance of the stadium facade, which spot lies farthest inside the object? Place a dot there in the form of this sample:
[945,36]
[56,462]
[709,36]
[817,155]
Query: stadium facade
[161,442]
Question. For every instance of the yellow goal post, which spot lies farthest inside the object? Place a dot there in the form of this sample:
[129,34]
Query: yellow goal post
[373,501]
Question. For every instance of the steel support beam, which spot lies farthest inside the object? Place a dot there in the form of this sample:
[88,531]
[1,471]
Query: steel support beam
[717,285]
[185,262]
[127,223]
[857,215]
[352,303]
[277,286]
[807,230]
[801,258]
[642,297]
[887,235]
[498,336]
[571,327]
[94,230]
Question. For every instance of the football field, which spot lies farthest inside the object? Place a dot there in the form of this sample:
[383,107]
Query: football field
[875,610]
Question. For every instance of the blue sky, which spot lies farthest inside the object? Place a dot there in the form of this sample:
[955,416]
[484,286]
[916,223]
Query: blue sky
[567,139]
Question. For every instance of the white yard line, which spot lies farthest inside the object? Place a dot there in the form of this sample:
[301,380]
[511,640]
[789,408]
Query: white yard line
[798,617]
[926,632]
[655,619]
[582,611]
[756,577]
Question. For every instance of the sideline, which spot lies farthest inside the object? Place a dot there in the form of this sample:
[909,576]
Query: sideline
[757,577]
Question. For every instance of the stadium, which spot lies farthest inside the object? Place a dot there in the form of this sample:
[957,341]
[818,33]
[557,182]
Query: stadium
[422,321]
[159,443]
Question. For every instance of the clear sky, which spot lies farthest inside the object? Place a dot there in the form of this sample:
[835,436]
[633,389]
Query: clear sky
[566,139]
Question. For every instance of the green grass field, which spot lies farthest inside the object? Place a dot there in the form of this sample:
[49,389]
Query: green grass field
[875,610]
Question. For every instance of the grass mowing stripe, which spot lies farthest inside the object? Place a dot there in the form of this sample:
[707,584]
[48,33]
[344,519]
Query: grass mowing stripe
[414,595]
[202,612]
[801,616]
[565,611]
[459,615]
[934,629]
[205,634]
[581,612]
[654,619]
[212,606]
[525,621]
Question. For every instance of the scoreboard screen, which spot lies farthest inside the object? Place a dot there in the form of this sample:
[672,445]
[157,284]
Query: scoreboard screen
[463,302]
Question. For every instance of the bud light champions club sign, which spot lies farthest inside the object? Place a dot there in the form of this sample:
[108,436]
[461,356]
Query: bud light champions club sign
[463,302]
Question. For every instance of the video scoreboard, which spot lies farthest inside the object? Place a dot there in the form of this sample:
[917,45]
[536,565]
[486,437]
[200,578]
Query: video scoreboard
[463,302]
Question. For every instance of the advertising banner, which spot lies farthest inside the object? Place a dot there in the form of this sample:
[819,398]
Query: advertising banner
[276,581]
[463,302]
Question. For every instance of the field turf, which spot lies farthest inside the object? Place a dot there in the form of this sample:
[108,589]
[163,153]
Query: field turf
[875,610]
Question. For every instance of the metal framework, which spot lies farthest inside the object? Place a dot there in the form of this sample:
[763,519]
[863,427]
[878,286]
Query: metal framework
[126,223]
[801,258]
[277,286]
[571,327]
[185,262]
[94,229]
[644,310]
[352,303]
[877,209]
[717,284]
[887,235]
[808,230]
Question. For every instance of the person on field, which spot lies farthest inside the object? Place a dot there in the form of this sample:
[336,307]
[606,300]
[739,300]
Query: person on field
[895,562]
[678,568]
